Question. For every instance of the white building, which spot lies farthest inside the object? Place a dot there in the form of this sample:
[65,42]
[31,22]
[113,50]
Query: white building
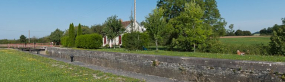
[118,39]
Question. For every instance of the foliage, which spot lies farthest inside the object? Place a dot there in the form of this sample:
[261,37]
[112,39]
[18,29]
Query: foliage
[230,31]
[89,41]
[211,19]
[219,28]
[239,32]
[23,39]
[19,66]
[98,29]
[277,44]
[64,41]
[113,27]
[79,31]
[135,40]
[269,30]
[71,34]
[156,25]
[55,36]
[190,28]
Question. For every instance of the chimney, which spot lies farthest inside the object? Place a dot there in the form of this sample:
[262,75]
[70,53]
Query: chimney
[121,20]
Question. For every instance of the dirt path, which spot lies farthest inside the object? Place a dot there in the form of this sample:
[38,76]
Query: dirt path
[144,77]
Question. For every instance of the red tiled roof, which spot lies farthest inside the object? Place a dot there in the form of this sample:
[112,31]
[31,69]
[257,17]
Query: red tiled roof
[125,23]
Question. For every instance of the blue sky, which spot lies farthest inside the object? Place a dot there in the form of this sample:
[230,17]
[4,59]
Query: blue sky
[42,17]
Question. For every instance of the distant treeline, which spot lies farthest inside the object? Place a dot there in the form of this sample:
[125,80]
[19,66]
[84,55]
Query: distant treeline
[17,41]
[269,30]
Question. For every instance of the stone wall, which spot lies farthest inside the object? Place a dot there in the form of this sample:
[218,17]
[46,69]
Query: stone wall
[180,68]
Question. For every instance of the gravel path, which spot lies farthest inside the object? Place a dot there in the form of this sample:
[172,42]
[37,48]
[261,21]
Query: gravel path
[145,77]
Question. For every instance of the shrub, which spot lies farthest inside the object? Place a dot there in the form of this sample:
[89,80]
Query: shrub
[277,43]
[64,41]
[89,41]
[135,40]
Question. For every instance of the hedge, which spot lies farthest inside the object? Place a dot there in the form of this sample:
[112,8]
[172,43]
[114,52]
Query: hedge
[64,41]
[135,41]
[89,41]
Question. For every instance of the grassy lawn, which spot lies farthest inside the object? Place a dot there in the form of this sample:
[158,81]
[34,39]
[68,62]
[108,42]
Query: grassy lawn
[18,66]
[246,40]
[200,55]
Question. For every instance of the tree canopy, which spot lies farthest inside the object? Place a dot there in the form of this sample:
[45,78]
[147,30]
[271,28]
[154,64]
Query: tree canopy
[55,36]
[155,25]
[113,27]
[23,39]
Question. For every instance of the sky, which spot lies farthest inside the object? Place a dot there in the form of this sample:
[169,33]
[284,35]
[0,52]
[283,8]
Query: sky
[42,17]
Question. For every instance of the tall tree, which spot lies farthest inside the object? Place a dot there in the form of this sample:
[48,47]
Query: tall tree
[79,31]
[191,29]
[113,27]
[211,16]
[55,36]
[155,25]
[71,34]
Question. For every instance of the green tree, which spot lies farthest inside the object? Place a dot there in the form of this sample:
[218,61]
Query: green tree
[190,28]
[155,25]
[239,32]
[113,27]
[219,28]
[211,16]
[277,43]
[98,29]
[55,36]
[79,31]
[23,39]
[71,34]
[230,31]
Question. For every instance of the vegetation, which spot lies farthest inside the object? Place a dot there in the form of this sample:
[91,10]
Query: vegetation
[18,66]
[98,29]
[56,36]
[155,25]
[79,31]
[71,38]
[64,41]
[113,28]
[23,39]
[89,41]
[277,43]
[230,31]
[135,40]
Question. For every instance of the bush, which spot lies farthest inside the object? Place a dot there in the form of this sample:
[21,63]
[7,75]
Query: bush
[135,40]
[64,41]
[89,41]
[277,43]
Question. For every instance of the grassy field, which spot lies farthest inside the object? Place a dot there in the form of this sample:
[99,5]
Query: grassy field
[246,40]
[18,66]
[200,55]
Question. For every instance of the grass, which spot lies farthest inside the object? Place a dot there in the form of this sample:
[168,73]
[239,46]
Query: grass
[18,66]
[246,40]
[200,55]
